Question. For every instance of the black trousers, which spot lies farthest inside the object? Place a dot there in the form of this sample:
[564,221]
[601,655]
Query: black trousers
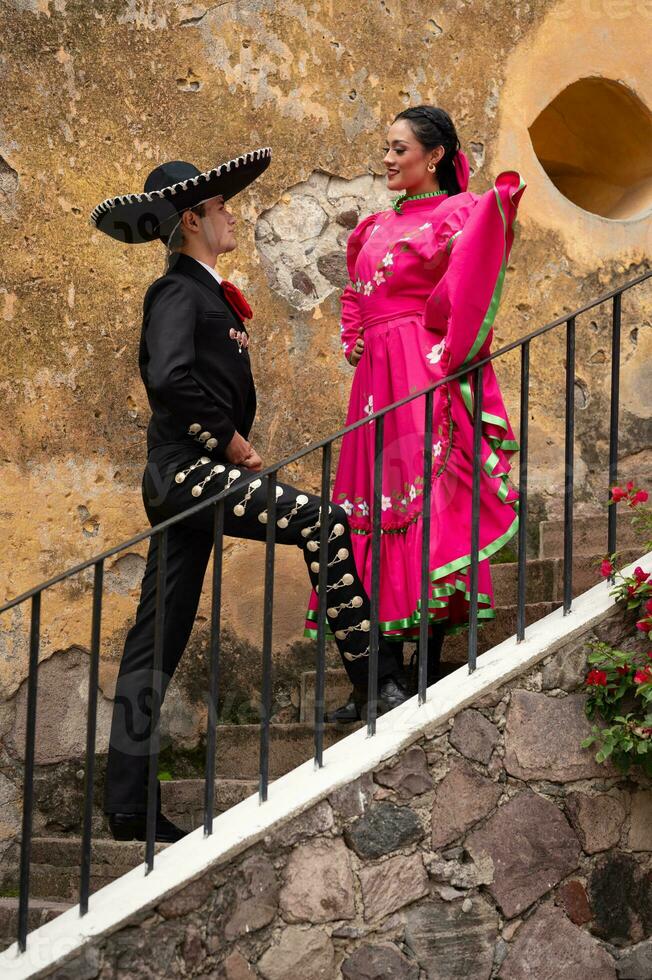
[170,476]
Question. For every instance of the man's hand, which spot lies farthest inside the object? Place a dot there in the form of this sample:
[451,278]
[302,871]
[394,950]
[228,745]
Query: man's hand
[241,453]
[357,352]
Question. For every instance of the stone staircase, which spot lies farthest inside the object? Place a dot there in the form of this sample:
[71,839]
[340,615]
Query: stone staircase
[54,875]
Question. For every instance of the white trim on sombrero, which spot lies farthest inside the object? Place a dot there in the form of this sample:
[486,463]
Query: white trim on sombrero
[113,202]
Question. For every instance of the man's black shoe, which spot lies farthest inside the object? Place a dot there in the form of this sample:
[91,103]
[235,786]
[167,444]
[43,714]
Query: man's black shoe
[345,714]
[131,826]
[392,692]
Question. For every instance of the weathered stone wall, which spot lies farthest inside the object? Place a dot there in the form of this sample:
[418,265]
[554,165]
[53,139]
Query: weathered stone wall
[493,847]
[96,94]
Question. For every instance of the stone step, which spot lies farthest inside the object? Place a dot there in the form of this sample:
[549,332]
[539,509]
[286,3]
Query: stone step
[55,865]
[238,751]
[40,911]
[455,653]
[589,536]
[545,577]
[182,800]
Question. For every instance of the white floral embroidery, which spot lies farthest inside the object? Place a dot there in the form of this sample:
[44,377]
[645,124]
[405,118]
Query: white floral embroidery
[369,407]
[424,226]
[436,448]
[386,502]
[368,288]
[347,507]
[437,353]
[358,284]
[364,508]
[388,260]
[413,492]
[379,277]
[404,501]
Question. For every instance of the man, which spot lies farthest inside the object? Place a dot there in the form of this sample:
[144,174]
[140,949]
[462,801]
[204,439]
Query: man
[194,363]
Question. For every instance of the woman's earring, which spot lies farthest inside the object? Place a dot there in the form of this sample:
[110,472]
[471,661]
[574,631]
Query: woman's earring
[432,167]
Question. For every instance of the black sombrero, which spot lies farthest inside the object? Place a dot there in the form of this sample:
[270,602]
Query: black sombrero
[171,189]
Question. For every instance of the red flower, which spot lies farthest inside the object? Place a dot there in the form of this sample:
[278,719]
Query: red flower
[606,568]
[596,678]
[631,590]
[630,486]
[625,669]
[648,607]
[645,625]
[640,575]
[617,494]
[236,298]
[639,498]
[643,676]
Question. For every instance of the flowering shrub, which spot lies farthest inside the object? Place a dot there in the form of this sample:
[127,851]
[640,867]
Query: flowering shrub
[619,684]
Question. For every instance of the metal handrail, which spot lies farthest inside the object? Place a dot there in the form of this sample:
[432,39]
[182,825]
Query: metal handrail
[475,368]
[299,454]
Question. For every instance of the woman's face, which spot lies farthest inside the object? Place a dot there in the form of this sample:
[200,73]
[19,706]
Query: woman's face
[406,159]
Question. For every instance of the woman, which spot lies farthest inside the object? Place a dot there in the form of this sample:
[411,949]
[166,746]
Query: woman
[426,277]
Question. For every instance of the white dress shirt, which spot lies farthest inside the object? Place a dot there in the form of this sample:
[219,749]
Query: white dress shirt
[209,269]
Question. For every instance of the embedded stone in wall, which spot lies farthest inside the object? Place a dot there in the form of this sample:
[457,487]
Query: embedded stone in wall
[635,963]
[256,898]
[409,777]
[573,899]
[318,883]
[620,893]
[549,947]
[8,189]
[640,830]
[543,738]
[300,952]
[236,967]
[302,238]
[351,800]
[379,962]
[451,940]
[383,828]
[532,848]
[474,736]
[317,820]
[598,820]
[61,710]
[389,886]
[462,798]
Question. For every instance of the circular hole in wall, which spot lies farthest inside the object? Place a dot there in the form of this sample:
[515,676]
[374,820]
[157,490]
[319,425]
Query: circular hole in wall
[594,140]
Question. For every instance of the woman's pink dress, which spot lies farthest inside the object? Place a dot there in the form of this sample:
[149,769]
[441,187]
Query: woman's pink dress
[424,291]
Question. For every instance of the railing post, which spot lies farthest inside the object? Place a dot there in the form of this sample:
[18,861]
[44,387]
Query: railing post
[268,618]
[569,464]
[424,621]
[28,788]
[322,596]
[522,491]
[91,728]
[157,689]
[612,511]
[374,618]
[214,667]
[475,521]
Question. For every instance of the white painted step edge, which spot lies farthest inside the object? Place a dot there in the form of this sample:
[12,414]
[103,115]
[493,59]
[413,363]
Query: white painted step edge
[248,821]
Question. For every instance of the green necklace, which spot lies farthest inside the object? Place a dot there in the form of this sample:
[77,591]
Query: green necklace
[402,198]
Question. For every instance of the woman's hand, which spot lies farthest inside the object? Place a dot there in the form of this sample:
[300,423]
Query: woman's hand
[357,352]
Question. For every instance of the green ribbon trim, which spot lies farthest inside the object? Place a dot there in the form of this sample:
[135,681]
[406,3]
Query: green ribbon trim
[449,243]
[465,560]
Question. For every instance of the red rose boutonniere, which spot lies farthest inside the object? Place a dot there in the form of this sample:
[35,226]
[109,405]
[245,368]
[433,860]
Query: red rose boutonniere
[236,299]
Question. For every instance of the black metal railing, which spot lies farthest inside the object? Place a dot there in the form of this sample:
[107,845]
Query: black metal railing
[474,370]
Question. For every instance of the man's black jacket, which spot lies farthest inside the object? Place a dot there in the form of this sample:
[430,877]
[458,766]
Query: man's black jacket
[196,372]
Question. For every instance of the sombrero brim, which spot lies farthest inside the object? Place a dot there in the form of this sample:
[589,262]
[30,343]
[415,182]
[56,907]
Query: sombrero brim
[138,218]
